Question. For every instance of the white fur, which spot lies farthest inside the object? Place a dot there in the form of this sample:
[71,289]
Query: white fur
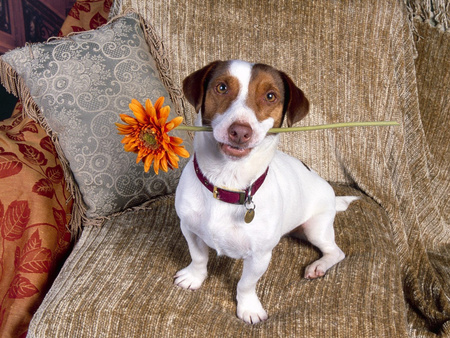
[290,196]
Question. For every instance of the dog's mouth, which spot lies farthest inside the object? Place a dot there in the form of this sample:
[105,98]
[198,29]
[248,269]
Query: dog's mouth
[233,151]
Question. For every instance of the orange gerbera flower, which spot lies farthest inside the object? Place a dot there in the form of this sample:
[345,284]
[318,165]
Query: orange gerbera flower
[146,135]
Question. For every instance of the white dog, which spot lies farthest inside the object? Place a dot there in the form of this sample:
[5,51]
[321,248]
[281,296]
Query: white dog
[238,194]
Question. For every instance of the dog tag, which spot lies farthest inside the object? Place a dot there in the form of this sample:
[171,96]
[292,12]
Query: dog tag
[249,215]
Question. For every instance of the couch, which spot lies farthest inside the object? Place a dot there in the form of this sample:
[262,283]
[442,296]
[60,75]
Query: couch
[359,61]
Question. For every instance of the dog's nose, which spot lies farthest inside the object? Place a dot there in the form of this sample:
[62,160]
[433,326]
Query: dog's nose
[240,133]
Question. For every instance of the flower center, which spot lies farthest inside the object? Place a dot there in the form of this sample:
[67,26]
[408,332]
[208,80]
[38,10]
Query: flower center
[149,138]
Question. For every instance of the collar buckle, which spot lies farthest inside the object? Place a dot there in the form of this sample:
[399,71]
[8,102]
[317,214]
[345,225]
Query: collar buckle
[216,193]
[242,195]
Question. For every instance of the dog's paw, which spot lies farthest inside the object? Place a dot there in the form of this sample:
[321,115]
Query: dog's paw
[251,313]
[315,270]
[319,268]
[189,279]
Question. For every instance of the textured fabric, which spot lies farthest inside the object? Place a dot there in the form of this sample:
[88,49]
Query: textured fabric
[34,212]
[433,78]
[81,84]
[118,282]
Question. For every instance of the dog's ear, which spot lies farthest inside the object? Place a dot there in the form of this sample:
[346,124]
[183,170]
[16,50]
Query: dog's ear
[296,105]
[195,84]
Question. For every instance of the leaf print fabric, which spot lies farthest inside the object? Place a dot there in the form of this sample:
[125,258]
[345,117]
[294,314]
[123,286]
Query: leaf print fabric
[34,238]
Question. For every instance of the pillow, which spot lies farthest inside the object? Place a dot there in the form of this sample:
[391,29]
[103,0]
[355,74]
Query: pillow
[76,88]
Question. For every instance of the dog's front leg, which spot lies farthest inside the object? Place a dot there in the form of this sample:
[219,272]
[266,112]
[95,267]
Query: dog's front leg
[192,276]
[249,308]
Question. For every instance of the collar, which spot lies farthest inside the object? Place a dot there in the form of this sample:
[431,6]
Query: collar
[230,196]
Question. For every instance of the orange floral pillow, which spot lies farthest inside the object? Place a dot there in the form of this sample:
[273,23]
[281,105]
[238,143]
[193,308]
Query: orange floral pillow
[34,213]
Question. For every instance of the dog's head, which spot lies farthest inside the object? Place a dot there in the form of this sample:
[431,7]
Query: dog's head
[242,101]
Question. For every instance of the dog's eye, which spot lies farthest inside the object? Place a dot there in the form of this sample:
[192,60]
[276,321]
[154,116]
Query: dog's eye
[271,97]
[222,88]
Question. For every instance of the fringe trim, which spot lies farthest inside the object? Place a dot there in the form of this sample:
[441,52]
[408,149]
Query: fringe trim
[149,204]
[15,85]
[434,12]
[116,8]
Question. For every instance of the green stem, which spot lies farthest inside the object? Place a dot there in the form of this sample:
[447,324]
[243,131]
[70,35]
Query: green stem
[308,128]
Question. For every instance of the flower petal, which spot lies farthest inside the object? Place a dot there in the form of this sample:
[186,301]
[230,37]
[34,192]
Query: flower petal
[128,139]
[162,123]
[150,109]
[179,150]
[128,119]
[156,166]
[164,165]
[130,147]
[136,107]
[177,121]
[176,141]
[159,103]
[173,159]
[148,162]
[125,129]
[142,153]
[164,112]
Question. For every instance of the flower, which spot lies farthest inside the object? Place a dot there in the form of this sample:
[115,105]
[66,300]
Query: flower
[146,135]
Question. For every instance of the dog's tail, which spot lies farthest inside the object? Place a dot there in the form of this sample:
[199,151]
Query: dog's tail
[342,202]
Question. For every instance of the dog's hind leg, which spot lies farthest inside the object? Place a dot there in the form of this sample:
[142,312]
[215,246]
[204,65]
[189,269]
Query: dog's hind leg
[192,276]
[319,231]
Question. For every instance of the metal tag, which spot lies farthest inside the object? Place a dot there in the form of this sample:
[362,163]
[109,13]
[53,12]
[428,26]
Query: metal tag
[249,215]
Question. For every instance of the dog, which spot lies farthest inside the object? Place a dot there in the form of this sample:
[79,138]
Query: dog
[238,194]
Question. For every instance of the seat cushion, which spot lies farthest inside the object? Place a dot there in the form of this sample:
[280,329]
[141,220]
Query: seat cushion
[118,282]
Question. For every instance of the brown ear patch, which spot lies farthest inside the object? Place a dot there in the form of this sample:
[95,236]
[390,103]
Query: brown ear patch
[296,104]
[194,85]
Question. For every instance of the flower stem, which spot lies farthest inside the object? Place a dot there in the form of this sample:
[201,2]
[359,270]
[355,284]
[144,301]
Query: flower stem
[308,128]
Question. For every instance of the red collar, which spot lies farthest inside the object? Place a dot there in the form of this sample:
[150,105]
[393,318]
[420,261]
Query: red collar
[229,196]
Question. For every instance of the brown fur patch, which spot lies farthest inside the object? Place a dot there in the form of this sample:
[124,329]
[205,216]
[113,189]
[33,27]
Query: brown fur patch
[216,102]
[266,80]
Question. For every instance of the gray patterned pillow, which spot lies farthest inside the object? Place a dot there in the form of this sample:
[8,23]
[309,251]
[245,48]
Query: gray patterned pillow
[81,84]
